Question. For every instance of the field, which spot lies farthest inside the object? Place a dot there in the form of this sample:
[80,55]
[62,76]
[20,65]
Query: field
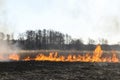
[40,70]
[47,70]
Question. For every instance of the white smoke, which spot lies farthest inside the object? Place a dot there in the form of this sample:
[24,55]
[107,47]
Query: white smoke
[6,44]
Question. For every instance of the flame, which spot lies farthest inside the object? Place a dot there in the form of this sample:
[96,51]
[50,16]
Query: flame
[14,57]
[97,56]
[27,59]
[114,57]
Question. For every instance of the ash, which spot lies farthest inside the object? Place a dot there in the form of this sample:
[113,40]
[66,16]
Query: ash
[45,70]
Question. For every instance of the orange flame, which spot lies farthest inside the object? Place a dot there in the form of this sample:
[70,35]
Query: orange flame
[97,56]
[114,57]
[14,57]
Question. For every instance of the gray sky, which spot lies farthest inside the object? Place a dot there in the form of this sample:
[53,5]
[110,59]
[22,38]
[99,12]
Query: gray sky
[79,18]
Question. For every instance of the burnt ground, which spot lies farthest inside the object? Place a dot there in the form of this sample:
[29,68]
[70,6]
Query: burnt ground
[45,70]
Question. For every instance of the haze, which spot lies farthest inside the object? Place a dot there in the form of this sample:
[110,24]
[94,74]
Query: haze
[79,18]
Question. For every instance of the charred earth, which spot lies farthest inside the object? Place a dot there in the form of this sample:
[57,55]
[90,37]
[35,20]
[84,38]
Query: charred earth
[46,70]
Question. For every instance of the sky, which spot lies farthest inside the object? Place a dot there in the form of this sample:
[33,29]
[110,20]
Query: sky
[84,19]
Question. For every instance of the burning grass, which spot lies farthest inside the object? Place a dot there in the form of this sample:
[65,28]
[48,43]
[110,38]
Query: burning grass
[96,56]
[53,66]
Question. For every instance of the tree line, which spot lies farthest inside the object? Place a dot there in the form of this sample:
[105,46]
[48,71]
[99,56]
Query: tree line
[50,39]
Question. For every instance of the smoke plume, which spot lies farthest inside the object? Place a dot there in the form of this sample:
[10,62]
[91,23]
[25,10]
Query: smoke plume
[6,44]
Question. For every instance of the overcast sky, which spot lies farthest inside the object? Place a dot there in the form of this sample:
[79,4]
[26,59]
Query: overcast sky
[79,18]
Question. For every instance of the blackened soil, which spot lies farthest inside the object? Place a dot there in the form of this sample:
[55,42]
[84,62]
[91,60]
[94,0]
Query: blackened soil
[45,70]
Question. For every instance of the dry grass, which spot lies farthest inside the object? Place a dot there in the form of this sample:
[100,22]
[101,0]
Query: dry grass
[33,53]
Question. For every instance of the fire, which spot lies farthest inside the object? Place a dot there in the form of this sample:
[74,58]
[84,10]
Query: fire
[114,57]
[14,57]
[27,59]
[97,56]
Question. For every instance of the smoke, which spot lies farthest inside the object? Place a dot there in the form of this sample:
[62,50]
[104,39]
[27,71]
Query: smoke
[7,48]
[6,45]
[110,25]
